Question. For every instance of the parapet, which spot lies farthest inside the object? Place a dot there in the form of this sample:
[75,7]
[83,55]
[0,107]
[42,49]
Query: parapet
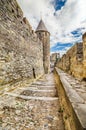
[72,95]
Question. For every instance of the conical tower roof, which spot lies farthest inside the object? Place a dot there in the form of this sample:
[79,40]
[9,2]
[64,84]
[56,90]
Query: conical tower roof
[41,26]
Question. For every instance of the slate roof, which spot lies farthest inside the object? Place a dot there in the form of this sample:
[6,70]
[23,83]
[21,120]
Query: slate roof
[41,26]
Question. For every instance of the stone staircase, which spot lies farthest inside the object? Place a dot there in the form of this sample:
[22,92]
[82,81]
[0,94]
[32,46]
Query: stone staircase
[32,108]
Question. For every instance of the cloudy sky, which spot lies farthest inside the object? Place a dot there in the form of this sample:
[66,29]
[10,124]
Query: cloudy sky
[65,20]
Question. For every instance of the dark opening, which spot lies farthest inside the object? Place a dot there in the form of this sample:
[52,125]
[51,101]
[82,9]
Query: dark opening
[32,32]
[21,22]
[34,75]
[45,33]
[18,16]
[24,20]
[84,79]
[12,11]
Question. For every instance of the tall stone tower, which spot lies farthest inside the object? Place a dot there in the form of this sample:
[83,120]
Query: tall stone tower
[84,55]
[44,36]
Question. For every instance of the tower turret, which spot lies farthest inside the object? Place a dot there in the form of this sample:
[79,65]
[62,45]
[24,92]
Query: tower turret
[84,55]
[44,36]
[84,47]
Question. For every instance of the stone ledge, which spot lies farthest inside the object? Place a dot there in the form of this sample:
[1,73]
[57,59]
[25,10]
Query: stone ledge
[76,98]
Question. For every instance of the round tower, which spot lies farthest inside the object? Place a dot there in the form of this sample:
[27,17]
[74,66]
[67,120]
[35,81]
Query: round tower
[84,47]
[44,36]
[84,55]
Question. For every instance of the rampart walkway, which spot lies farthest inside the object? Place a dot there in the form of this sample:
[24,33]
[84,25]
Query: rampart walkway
[35,107]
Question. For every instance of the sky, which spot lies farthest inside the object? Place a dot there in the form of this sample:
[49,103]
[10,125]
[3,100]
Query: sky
[64,19]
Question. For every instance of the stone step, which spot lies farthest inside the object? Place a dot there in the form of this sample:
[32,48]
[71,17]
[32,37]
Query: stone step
[31,97]
[38,90]
[39,93]
[42,86]
[47,81]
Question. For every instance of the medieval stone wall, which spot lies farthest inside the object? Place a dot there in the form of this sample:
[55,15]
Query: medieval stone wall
[21,52]
[71,96]
[74,61]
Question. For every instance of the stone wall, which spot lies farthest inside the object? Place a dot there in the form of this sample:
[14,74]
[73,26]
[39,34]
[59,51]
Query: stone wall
[72,98]
[74,61]
[53,58]
[21,52]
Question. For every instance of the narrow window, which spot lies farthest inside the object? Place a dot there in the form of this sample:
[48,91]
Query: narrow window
[34,75]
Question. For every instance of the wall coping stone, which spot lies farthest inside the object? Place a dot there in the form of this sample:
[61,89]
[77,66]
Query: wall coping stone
[75,96]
